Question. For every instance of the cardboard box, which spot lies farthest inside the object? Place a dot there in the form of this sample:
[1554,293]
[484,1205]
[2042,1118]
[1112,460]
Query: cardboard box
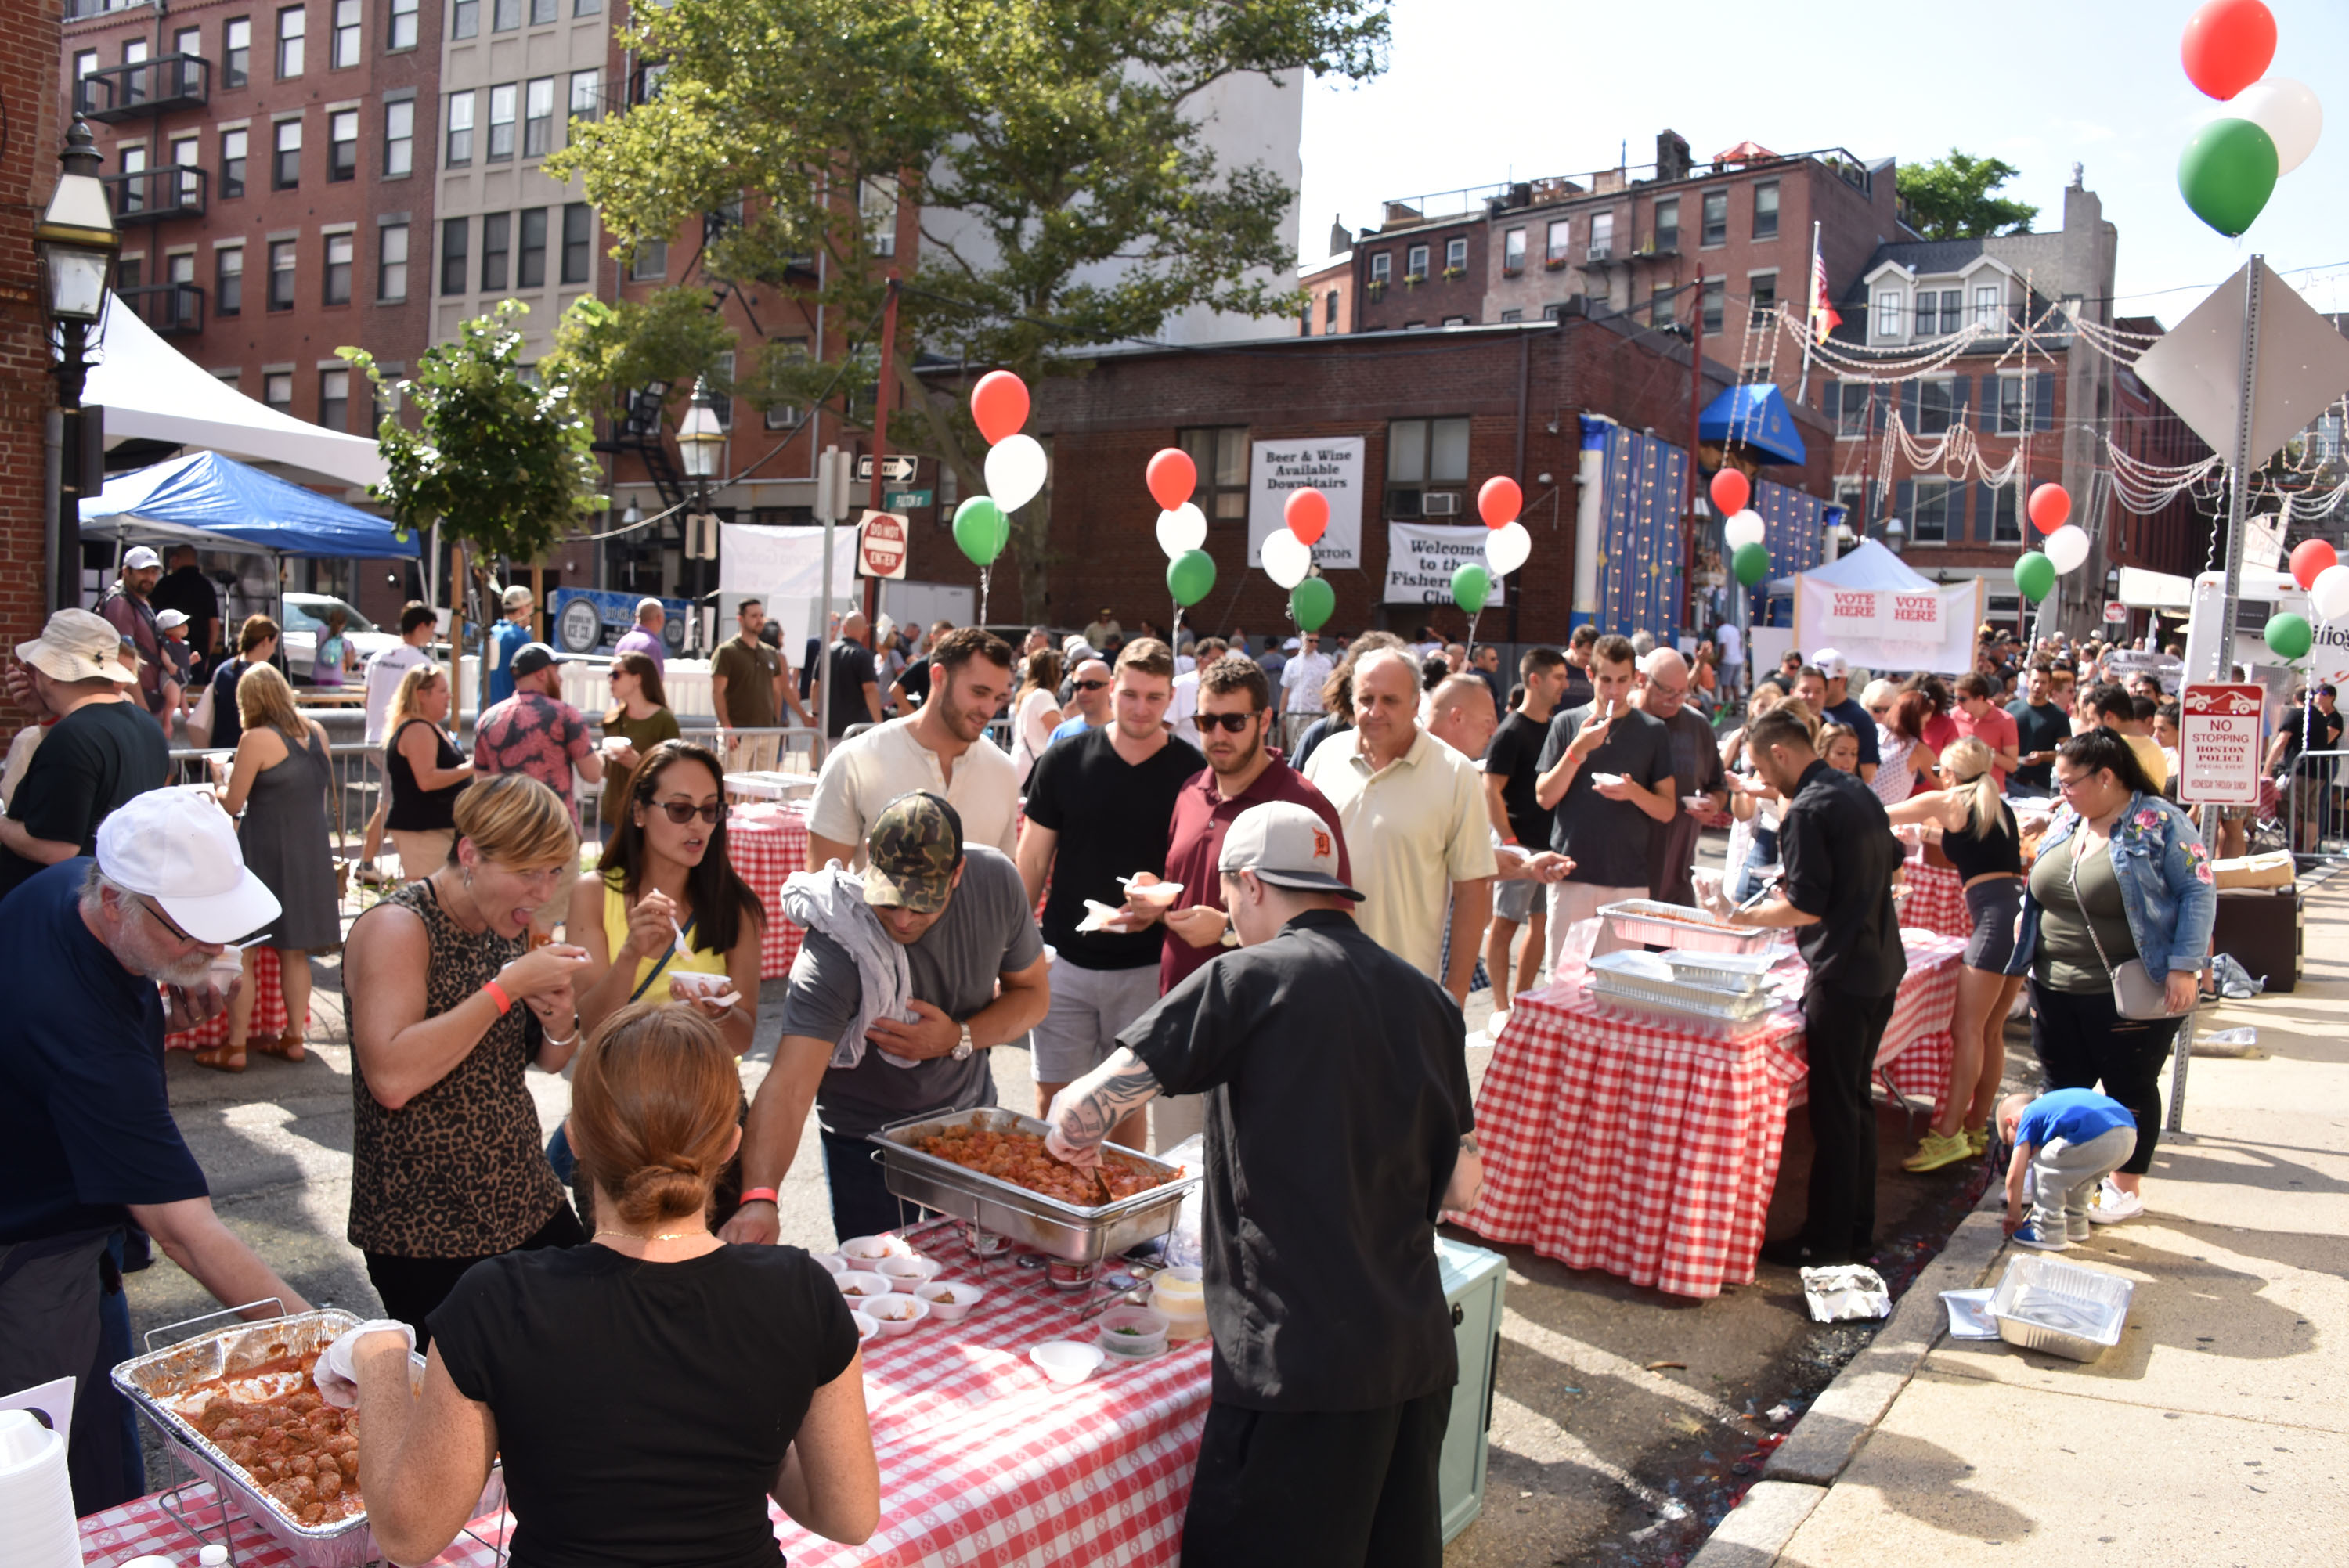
[2272,869]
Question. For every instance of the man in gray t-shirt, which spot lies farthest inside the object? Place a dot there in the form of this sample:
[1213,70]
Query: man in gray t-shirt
[977,966]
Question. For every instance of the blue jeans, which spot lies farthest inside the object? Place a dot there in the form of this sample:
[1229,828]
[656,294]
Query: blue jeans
[862,1203]
[1762,852]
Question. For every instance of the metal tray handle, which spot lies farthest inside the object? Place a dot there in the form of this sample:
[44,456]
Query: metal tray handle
[278,1302]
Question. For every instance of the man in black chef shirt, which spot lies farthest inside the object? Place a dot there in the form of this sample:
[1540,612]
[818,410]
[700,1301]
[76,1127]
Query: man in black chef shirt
[1839,855]
[1338,1105]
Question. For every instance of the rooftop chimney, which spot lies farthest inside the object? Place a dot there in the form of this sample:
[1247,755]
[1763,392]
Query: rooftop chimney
[1671,156]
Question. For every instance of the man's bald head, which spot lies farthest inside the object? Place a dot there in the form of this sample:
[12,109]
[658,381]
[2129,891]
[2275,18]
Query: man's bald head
[1460,714]
[852,625]
[1666,677]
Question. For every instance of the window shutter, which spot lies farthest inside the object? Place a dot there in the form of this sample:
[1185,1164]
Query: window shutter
[1985,521]
[2043,416]
[1904,504]
[1960,388]
[1987,421]
[1908,394]
[1879,399]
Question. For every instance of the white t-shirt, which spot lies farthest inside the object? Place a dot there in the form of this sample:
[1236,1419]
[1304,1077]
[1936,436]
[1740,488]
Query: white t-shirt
[864,775]
[383,673]
[1301,680]
[1183,704]
[1040,714]
[1732,643]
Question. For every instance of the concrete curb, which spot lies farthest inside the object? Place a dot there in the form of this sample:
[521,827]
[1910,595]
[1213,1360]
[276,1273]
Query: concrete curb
[1759,1527]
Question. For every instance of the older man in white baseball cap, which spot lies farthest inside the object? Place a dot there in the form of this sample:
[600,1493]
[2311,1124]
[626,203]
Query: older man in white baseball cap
[101,751]
[89,951]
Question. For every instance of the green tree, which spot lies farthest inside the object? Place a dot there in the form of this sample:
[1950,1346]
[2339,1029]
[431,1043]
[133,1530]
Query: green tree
[1950,198]
[1067,197]
[498,459]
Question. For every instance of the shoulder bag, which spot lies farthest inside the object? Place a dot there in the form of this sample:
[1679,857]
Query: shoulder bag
[2135,993]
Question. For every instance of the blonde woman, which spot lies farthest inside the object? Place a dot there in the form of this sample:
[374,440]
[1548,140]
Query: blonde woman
[278,785]
[424,771]
[1752,804]
[1977,834]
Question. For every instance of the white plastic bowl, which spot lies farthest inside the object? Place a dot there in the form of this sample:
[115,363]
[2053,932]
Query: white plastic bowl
[959,1298]
[1188,1279]
[863,1249]
[861,1289]
[832,1263]
[703,985]
[866,1328]
[897,1314]
[1066,1362]
[905,1273]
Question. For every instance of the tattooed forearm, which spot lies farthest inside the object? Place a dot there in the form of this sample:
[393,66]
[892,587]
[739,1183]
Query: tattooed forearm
[1468,1143]
[1083,1113]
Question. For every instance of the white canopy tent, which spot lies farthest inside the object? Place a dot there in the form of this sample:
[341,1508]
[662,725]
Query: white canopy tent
[151,391]
[1872,608]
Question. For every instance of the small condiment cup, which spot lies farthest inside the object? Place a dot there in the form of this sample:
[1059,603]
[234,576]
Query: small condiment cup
[1133,1331]
[1066,1362]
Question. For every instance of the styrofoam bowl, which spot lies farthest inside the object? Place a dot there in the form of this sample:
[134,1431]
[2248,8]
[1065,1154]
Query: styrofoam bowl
[905,1273]
[832,1263]
[959,1298]
[897,1314]
[860,1251]
[861,1287]
[1066,1362]
[868,1329]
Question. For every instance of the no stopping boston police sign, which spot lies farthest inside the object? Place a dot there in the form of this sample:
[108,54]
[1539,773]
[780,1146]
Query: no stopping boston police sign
[2219,744]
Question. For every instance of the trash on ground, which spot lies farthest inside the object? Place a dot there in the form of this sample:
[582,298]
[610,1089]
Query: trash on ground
[1970,1315]
[1845,1292]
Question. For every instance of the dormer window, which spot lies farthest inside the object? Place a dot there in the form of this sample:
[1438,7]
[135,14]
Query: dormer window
[1888,312]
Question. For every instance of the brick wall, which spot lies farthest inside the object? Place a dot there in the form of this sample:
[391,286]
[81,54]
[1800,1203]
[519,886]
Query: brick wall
[28,171]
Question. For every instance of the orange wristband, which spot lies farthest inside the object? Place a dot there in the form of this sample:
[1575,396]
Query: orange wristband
[498,994]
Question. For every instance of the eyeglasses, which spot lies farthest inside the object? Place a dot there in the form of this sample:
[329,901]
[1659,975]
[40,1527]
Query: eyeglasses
[1235,722]
[1091,686]
[168,924]
[683,811]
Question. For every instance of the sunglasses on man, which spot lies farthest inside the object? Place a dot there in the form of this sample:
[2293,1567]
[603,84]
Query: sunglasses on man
[1091,686]
[1235,722]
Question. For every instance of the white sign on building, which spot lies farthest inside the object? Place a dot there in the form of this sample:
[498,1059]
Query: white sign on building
[1330,464]
[1422,558]
[2219,744]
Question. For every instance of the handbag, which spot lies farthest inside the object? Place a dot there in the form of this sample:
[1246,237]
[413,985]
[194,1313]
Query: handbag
[2135,993]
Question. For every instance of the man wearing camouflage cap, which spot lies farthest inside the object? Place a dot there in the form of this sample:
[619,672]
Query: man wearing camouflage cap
[911,970]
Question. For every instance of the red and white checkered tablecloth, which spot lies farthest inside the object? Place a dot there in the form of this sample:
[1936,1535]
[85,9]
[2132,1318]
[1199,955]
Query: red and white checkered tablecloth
[768,843]
[1936,902]
[984,1464]
[268,1009]
[1649,1148]
[1917,1050]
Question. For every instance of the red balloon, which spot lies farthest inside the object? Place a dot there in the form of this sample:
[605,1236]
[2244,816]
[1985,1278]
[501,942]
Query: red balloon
[1731,491]
[1499,501]
[1172,477]
[1000,404]
[1307,511]
[2050,505]
[2227,46]
[2309,557]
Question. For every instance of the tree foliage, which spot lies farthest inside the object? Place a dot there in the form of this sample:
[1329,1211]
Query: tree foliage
[603,350]
[1067,195]
[1950,198]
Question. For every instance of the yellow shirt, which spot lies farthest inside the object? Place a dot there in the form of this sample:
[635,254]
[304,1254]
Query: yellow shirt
[2149,758]
[652,971]
[1412,829]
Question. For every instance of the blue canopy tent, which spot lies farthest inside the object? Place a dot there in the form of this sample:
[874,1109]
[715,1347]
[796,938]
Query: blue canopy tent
[218,503]
[1755,416]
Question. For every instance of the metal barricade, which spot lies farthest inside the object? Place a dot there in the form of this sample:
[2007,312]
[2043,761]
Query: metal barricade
[2312,815]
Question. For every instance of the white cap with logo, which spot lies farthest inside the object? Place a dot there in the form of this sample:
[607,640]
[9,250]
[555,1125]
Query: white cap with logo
[1285,844]
[178,848]
[142,558]
[1831,664]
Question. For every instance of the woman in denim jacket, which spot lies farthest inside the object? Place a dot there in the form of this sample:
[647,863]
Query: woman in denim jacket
[2144,876]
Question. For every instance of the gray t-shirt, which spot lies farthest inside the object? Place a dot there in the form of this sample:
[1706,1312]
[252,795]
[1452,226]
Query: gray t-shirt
[988,928]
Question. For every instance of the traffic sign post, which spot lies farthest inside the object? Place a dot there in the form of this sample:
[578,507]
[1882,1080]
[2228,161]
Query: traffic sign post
[881,539]
[2219,743]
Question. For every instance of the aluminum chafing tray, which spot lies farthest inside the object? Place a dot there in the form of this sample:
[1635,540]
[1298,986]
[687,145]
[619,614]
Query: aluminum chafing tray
[1059,1230]
[2046,1304]
[1644,919]
[153,1381]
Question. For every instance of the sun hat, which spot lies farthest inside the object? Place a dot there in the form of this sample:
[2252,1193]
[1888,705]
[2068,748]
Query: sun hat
[176,846]
[77,646]
[1286,845]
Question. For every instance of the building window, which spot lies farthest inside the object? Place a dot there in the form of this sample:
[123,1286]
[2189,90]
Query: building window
[399,137]
[1851,410]
[292,22]
[454,232]
[538,119]
[461,129]
[277,391]
[334,398]
[1661,306]
[228,280]
[496,241]
[1220,452]
[1716,299]
[1414,266]
[1554,313]
[1456,321]
[544,13]
[648,81]
[2005,521]
[340,250]
[186,153]
[787,416]
[1851,494]
[134,191]
[505,16]
[1560,243]
[1986,304]
[1934,406]
[578,240]
[1888,312]
[1512,251]
[1755,373]
[131,272]
[343,144]
[1602,235]
[233,146]
[586,7]
[346,33]
[1762,290]
[402,32]
[280,275]
[501,121]
[392,262]
[1928,523]
[236,52]
[1513,316]
[465,19]
[876,205]
[286,171]
[189,41]
[1716,219]
[1929,315]
[1425,455]
[650,263]
[530,259]
[1668,222]
[2013,405]
[1382,267]
[1455,255]
[1765,209]
[1329,312]
[722,385]
[586,94]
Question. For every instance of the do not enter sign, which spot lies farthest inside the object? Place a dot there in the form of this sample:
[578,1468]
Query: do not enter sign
[881,545]
[2219,744]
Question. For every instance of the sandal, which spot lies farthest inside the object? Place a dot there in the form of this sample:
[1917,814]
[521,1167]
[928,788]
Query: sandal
[222,1058]
[287,1045]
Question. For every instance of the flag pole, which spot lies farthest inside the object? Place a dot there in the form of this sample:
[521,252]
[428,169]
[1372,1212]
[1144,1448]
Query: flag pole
[1810,318]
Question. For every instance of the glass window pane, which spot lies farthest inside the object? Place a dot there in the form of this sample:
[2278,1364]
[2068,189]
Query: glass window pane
[1447,461]
[1231,457]
[1407,451]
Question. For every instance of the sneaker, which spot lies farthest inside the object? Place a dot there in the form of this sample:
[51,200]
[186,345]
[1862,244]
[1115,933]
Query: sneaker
[1933,1152]
[2113,1205]
[1978,1138]
[2029,1234]
[369,875]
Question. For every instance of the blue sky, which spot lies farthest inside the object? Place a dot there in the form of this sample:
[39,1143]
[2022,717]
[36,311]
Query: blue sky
[1478,91]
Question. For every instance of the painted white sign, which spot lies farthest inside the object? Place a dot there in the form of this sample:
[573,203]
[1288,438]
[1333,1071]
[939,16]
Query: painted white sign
[1842,615]
[1422,558]
[1330,464]
[2328,654]
[2219,744]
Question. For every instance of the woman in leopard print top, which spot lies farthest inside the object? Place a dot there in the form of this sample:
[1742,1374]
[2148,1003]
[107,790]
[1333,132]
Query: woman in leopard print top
[449,1006]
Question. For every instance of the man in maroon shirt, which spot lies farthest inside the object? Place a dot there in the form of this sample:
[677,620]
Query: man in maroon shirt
[1234,721]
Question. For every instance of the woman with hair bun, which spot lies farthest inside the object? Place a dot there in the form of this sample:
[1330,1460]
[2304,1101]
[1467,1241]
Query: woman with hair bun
[715,1377]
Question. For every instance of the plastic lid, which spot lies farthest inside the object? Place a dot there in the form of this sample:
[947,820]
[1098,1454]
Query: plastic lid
[213,1556]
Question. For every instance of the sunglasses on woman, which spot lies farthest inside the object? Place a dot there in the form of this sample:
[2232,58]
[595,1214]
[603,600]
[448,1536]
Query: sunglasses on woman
[684,811]
[1235,722]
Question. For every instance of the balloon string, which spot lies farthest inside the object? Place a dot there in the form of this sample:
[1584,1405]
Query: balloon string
[984,573]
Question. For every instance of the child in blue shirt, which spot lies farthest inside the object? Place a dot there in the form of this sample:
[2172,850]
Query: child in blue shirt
[2069,1140]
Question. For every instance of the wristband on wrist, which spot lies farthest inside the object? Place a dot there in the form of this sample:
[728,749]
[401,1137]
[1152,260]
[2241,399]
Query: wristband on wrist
[497,993]
[758,1195]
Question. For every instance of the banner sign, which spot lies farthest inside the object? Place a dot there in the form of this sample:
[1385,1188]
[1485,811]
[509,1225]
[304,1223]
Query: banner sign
[1330,464]
[1837,616]
[1422,558]
[2219,744]
[591,620]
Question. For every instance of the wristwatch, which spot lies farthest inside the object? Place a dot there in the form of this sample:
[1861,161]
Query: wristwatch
[962,1050]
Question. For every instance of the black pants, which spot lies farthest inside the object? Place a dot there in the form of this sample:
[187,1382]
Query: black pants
[862,1203]
[412,1288]
[1841,1033]
[1352,1489]
[2082,1041]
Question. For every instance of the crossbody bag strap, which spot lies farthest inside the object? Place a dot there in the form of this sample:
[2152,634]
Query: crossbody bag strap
[2093,941]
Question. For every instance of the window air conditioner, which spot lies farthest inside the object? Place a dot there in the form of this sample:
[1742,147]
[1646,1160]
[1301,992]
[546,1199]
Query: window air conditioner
[1440,503]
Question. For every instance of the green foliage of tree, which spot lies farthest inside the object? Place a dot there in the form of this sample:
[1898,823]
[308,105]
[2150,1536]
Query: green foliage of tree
[1950,198]
[605,350]
[1067,196]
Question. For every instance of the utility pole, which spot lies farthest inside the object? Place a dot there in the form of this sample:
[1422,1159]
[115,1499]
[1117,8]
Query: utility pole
[881,391]
[1696,410]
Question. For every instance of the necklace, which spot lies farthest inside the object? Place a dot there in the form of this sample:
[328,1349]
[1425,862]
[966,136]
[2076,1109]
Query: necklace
[652,1236]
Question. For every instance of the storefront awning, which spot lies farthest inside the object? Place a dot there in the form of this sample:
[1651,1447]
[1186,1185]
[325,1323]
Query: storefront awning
[1756,416]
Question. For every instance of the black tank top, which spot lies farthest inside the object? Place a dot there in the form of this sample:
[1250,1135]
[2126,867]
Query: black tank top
[415,809]
[1979,856]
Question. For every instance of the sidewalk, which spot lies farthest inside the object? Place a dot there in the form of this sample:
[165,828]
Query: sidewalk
[2217,1432]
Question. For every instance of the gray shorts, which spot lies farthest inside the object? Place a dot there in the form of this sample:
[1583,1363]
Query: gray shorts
[1519,901]
[1088,1007]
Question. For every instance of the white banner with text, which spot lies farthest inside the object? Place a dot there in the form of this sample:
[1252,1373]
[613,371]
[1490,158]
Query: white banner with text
[1421,557]
[1330,464]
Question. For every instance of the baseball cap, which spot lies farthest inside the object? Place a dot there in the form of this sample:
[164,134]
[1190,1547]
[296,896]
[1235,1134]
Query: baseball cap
[913,848]
[1294,644]
[140,558]
[176,847]
[77,646]
[532,657]
[1286,845]
[1831,664]
[515,597]
[171,618]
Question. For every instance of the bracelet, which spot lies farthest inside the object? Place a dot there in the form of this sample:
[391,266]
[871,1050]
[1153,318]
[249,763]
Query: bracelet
[566,1042]
[758,1195]
[498,994]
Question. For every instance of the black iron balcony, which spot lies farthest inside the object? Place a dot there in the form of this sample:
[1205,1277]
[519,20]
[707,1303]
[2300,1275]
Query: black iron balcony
[171,309]
[114,93]
[157,195]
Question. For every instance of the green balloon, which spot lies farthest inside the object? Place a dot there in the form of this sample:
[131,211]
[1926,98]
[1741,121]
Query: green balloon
[1312,602]
[2034,575]
[2289,636]
[980,528]
[1751,564]
[1191,576]
[2227,173]
[1471,586]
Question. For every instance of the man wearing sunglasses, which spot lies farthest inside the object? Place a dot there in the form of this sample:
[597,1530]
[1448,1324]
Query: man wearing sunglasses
[1089,689]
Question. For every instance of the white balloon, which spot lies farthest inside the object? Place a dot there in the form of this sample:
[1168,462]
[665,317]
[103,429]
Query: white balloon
[1181,531]
[2330,593]
[1014,472]
[1287,558]
[1745,528]
[1506,548]
[2067,547]
[2287,111]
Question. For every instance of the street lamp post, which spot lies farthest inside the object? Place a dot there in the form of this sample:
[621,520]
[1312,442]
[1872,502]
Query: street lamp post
[700,443]
[76,243]
[1895,535]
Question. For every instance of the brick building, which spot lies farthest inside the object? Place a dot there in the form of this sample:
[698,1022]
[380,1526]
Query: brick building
[28,172]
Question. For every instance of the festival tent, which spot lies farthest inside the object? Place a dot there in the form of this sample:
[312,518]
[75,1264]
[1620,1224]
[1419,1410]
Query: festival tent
[1870,607]
[218,503]
[1755,415]
[151,391]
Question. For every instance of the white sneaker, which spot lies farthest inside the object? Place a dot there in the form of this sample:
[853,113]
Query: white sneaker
[2113,1205]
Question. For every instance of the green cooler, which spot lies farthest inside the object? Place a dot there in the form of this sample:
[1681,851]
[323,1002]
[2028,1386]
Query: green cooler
[1472,1278]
